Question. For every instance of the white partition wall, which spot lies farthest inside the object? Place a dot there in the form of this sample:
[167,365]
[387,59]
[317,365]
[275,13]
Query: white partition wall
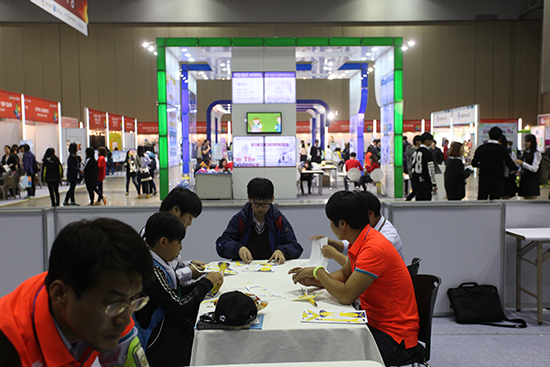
[459,242]
[260,59]
[22,246]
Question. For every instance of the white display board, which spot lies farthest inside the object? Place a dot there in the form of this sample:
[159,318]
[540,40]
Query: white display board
[280,151]
[510,130]
[248,151]
[280,87]
[247,87]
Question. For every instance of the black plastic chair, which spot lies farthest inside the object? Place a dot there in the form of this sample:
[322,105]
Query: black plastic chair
[425,289]
[414,266]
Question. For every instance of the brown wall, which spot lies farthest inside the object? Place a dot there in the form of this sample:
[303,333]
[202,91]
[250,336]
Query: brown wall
[493,63]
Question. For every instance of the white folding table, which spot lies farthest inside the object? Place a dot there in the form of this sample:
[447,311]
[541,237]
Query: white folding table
[283,337]
[534,238]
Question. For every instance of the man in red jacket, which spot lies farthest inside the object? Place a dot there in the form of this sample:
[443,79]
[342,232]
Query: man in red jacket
[81,308]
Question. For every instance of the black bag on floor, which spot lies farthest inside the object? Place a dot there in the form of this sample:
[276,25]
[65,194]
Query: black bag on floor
[472,303]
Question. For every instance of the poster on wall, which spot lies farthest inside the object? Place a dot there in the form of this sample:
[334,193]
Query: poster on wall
[280,87]
[248,151]
[115,141]
[174,157]
[280,151]
[510,130]
[248,88]
[73,12]
[539,132]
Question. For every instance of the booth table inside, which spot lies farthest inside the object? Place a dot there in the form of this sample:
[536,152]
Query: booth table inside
[283,336]
[214,185]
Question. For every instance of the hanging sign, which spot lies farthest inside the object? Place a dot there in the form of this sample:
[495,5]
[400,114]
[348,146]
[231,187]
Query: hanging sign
[74,12]
[148,128]
[10,105]
[115,122]
[97,119]
[41,110]
[129,124]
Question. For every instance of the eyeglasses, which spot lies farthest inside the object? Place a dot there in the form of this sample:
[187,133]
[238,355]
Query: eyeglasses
[260,205]
[115,309]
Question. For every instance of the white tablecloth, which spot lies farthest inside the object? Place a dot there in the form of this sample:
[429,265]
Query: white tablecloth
[283,338]
[530,234]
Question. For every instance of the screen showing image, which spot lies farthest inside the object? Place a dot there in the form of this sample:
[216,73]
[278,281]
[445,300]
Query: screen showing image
[263,123]
[248,87]
[280,151]
[248,151]
[280,87]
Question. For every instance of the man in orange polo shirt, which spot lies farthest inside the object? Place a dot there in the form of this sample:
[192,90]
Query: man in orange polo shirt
[81,308]
[375,273]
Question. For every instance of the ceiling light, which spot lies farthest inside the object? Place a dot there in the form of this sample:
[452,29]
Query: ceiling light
[368,54]
[363,59]
[155,53]
[330,63]
[326,68]
[145,44]
[151,48]
[404,48]
[191,59]
[222,64]
[370,69]
[201,72]
[330,115]
[411,43]
[224,69]
[188,55]
[183,50]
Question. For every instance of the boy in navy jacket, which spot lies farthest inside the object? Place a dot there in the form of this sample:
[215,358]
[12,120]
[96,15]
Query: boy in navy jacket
[259,231]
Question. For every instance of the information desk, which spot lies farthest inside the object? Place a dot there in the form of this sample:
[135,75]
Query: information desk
[283,337]
[534,238]
[214,185]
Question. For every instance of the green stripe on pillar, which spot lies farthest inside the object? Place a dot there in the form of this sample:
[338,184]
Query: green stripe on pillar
[398,85]
[279,42]
[247,42]
[164,178]
[182,42]
[161,85]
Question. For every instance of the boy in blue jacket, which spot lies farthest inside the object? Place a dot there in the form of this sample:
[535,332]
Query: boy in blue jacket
[259,230]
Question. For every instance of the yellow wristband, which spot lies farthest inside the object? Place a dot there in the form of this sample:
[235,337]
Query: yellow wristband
[315,270]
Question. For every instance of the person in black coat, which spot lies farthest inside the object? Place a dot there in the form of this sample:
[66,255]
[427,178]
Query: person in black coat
[52,172]
[91,173]
[73,169]
[455,174]
[315,152]
[490,158]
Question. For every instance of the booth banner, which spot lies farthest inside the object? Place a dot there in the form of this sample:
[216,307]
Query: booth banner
[115,122]
[415,126]
[441,118]
[97,120]
[201,127]
[304,127]
[509,129]
[115,140]
[339,127]
[130,125]
[369,126]
[149,128]
[544,120]
[10,105]
[69,122]
[74,12]
[464,115]
[41,110]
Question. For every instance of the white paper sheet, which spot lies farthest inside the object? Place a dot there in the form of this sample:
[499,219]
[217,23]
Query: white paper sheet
[316,258]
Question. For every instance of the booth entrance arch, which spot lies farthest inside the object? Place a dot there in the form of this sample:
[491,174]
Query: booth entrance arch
[386,54]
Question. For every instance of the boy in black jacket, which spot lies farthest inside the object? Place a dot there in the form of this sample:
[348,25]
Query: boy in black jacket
[423,170]
[165,325]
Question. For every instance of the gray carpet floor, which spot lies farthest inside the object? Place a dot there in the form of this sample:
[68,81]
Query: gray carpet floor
[456,345]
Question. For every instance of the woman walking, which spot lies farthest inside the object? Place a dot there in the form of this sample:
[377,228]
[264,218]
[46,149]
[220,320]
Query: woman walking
[90,173]
[144,175]
[102,171]
[52,172]
[131,172]
[455,175]
[73,168]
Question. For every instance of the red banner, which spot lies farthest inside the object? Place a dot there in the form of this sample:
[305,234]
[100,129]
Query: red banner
[129,124]
[74,12]
[413,126]
[115,122]
[10,105]
[97,120]
[509,121]
[69,123]
[41,110]
[147,127]
[303,127]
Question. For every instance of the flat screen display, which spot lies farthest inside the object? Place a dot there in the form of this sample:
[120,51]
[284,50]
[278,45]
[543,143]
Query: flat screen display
[280,87]
[248,151]
[280,151]
[263,122]
[247,87]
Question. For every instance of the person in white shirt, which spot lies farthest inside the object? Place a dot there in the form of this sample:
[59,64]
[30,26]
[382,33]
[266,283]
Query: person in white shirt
[529,186]
[336,249]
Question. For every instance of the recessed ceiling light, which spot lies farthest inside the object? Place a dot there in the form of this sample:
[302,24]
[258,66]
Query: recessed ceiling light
[375,49]
[222,64]
[411,43]
[363,58]
[191,59]
[330,63]
[183,50]
[368,54]
[224,69]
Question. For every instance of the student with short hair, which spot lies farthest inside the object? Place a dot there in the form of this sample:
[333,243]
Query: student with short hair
[81,308]
[259,231]
[374,273]
[166,324]
[186,206]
